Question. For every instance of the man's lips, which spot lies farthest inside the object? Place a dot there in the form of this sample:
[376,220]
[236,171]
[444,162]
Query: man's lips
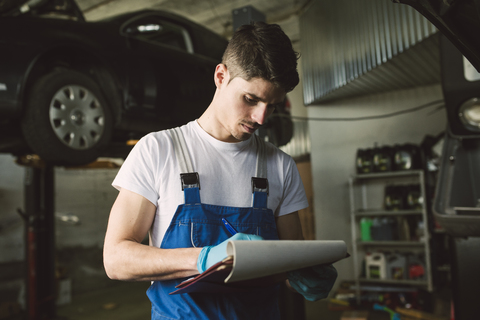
[249,128]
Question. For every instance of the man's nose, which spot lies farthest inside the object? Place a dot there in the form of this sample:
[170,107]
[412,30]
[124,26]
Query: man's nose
[260,114]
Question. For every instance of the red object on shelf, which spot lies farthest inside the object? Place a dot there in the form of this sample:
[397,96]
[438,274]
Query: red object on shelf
[416,271]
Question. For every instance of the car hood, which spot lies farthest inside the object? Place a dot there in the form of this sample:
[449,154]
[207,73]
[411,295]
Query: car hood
[66,9]
[458,20]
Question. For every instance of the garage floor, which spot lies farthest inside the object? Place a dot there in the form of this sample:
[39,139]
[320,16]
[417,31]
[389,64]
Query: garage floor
[127,301]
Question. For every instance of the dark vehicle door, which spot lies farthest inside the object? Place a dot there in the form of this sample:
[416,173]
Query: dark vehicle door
[167,80]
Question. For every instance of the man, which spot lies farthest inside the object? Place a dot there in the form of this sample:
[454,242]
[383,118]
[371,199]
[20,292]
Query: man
[178,184]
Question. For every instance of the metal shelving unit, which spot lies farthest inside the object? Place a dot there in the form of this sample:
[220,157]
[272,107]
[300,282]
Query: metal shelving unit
[360,207]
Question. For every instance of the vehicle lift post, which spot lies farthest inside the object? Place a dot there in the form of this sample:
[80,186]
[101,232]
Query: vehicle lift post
[40,241]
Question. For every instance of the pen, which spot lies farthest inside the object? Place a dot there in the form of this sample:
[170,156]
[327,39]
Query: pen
[229,227]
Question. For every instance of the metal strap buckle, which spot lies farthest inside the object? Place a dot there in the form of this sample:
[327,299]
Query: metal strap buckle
[190,180]
[259,184]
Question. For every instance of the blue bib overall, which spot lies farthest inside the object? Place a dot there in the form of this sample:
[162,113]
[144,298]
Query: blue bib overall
[197,225]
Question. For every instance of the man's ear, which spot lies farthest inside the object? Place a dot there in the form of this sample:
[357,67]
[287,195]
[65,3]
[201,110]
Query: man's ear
[221,75]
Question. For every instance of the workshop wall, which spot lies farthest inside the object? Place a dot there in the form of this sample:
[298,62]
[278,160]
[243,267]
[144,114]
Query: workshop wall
[11,199]
[85,195]
[334,150]
[83,198]
[11,228]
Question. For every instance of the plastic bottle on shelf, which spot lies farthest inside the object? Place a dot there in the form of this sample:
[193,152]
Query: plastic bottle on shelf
[375,264]
[396,266]
[384,229]
[365,229]
[389,229]
[416,267]
[376,229]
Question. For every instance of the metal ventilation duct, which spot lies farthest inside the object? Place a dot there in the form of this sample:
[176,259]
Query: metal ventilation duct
[357,47]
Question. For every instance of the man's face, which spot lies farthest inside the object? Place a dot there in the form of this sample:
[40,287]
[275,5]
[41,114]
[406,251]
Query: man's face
[244,106]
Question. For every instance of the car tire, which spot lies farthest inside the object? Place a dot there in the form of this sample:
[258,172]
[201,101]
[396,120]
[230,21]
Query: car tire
[67,121]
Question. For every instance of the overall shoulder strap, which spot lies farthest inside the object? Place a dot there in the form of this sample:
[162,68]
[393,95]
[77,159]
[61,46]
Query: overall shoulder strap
[260,181]
[181,150]
[261,167]
[190,179]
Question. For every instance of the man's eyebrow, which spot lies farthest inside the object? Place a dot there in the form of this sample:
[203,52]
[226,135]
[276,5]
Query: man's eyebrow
[255,97]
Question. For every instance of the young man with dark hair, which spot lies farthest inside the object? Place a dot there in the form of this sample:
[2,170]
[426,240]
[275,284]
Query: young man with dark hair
[178,185]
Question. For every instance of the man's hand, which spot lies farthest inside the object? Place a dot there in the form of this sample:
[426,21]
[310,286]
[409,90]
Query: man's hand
[213,254]
[314,283]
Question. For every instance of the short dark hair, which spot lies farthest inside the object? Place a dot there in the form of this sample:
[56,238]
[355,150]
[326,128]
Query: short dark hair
[265,51]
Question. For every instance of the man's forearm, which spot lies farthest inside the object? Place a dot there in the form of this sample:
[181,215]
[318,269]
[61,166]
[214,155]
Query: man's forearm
[132,261]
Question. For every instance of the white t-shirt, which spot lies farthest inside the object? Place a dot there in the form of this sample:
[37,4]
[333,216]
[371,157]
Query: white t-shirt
[225,170]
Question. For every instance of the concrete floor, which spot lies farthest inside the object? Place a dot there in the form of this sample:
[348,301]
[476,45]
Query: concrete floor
[125,301]
[128,301]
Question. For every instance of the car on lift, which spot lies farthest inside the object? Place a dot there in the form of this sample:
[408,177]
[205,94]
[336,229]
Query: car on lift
[72,90]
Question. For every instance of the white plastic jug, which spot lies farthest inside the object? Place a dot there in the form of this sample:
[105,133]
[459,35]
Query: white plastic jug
[376,265]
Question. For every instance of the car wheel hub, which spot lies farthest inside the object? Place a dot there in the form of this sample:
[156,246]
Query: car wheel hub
[76,116]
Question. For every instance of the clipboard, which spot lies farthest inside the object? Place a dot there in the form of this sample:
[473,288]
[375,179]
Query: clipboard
[252,265]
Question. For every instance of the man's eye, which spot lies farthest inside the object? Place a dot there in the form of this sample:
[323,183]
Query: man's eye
[250,101]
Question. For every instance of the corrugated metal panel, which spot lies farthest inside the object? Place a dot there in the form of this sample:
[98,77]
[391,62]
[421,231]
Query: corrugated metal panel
[299,146]
[357,47]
